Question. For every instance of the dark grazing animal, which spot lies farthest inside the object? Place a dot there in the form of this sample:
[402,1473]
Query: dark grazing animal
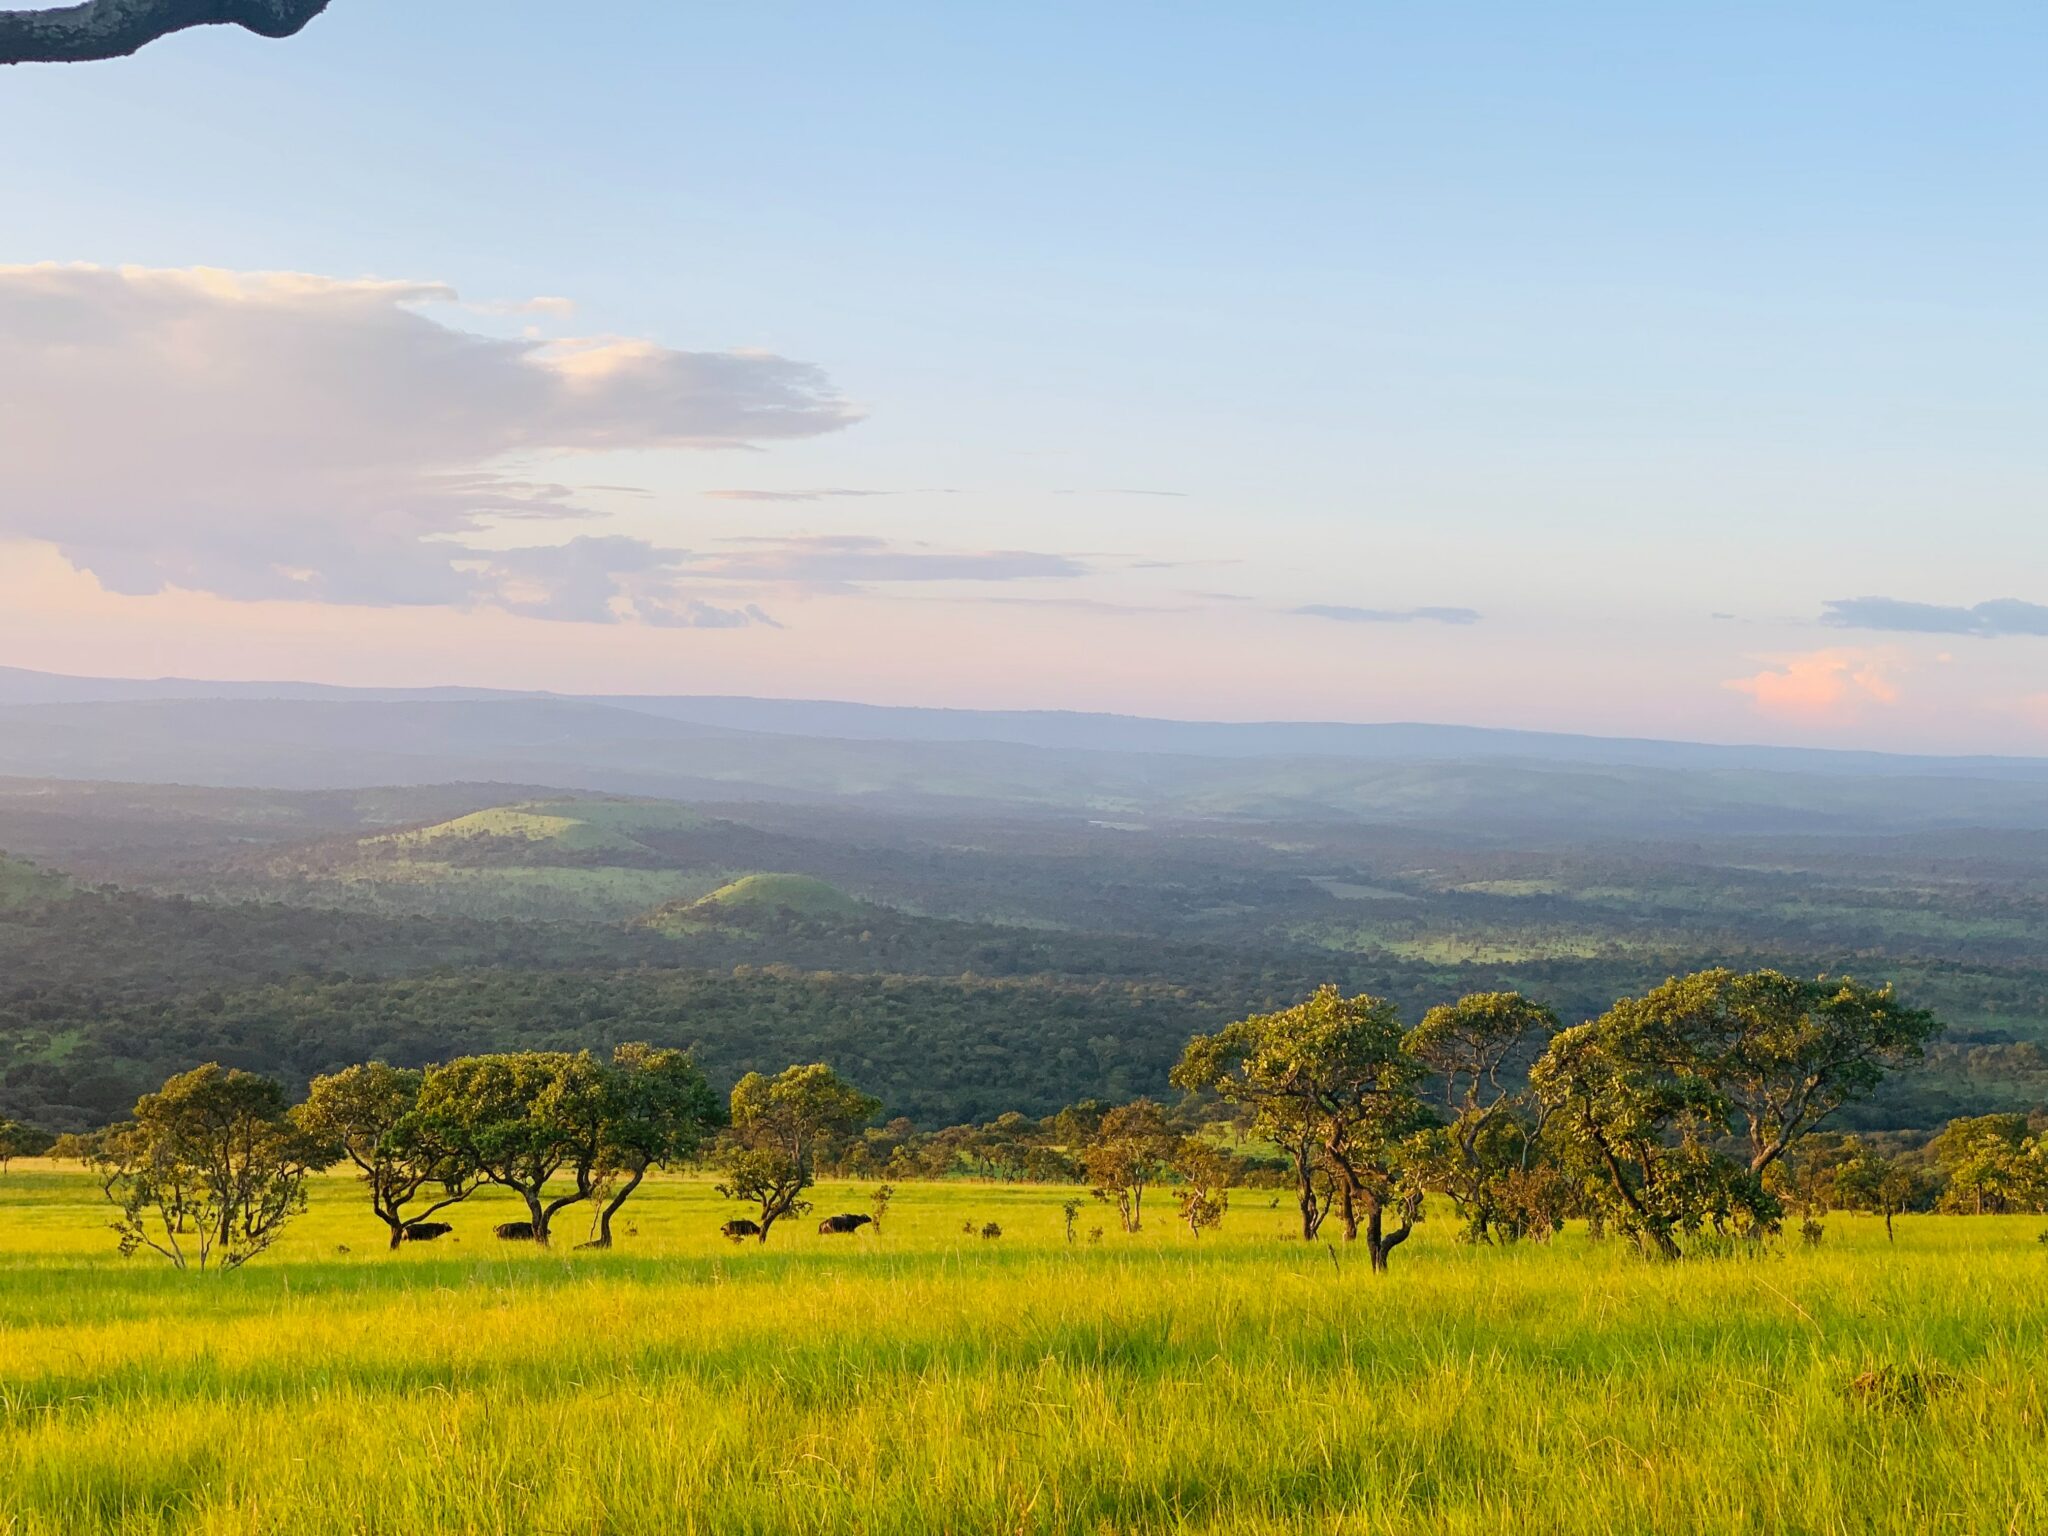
[423,1231]
[737,1230]
[515,1231]
[843,1223]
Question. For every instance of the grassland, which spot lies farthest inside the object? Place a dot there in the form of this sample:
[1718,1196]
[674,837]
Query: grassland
[925,1381]
[22,884]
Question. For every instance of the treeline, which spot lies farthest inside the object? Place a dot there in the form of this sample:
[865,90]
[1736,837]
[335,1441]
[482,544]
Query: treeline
[212,1166]
[1692,1110]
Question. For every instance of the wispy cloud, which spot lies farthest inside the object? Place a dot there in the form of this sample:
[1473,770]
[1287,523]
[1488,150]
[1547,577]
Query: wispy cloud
[285,436]
[823,493]
[1123,490]
[1826,687]
[2000,616]
[607,580]
[1090,604]
[614,579]
[1347,615]
[850,562]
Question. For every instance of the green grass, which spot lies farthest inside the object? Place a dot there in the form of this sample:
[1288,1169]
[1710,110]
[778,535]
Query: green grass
[926,1381]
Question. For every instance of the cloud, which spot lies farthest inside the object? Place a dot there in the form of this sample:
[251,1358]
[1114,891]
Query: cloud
[820,494]
[1089,604]
[285,436]
[850,562]
[1999,617]
[608,580]
[612,579]
[1344,615]
[1822,687]
[826,493]
[1123,490]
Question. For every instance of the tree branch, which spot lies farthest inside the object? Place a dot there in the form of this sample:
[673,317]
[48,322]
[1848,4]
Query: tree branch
[113,29]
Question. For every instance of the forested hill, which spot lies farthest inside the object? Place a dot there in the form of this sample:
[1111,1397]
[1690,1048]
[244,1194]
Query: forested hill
[957,965]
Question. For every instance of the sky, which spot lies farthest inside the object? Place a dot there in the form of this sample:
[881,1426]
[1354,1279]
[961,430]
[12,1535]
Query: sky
[1640,370]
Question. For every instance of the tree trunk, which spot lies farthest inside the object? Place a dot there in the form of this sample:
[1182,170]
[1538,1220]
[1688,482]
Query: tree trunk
[611,1209]
[1888,1225]
[1379,1243]
[537,1214]
[1311,1209]
[1665,1244]
[1348,1209]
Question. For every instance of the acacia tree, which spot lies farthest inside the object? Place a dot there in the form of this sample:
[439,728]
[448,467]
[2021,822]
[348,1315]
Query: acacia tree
[657,1110]
[1331,1080]
[18,1140]
[1490,1143]
[1785,1053]
[521,1120]
[369,1115]
[779,1126]
[1867,1180]
[210,1169]
[1646,1135]
[1650,1089]
[1205,1172]
[1128,1153]
[112,29]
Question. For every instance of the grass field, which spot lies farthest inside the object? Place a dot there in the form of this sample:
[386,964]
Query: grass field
[927,1381]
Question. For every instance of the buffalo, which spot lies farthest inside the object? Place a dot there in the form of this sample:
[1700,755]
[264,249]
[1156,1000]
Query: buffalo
[424,1231]
[843,1224]
[736,1230]
[515,1231]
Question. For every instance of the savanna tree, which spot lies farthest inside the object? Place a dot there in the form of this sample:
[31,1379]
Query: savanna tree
[1867,1180]
[112,29]
[657,1110]
[521,1120]
[1483,1156]
[1992,1164]
[1650,1090]
[1205,1172]
[209,1170]
[779,1127]
[368,1114]
[1330,1080]
[1785,1053]
[1127,1154]
[1647,1136]
[18,1140]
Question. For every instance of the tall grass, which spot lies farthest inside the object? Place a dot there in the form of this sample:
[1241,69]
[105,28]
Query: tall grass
[927,1381]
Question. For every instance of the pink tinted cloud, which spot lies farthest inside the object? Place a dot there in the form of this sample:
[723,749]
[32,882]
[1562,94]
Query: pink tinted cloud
[1828,687]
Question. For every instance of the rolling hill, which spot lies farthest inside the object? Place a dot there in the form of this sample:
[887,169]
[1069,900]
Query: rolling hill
[751,898]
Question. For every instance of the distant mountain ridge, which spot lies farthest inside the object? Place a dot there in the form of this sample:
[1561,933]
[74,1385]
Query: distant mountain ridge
[1051,730]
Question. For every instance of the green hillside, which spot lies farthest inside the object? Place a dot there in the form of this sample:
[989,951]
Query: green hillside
[761,895]
[561,826]
[23,885]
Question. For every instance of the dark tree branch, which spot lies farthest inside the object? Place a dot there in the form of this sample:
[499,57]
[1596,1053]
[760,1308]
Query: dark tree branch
[113,29]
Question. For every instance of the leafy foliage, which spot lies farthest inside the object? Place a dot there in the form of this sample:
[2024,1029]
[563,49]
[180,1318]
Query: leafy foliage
[209,1170]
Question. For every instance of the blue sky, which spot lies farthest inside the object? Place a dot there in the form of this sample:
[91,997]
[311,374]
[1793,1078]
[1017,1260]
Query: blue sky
[1514,343]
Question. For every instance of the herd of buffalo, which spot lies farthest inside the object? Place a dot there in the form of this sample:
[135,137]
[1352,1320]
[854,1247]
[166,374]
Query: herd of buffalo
[522,1231]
